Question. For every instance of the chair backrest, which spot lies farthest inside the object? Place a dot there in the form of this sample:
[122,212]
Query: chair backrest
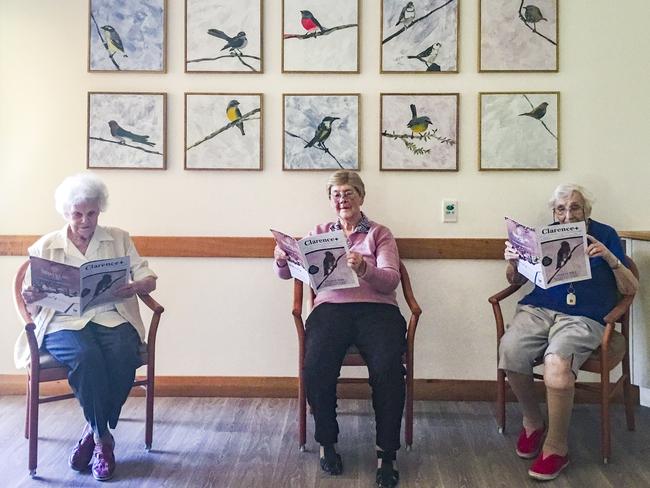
[21,307]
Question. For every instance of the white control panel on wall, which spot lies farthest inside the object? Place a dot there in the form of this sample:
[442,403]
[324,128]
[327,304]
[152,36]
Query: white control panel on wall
[449,210]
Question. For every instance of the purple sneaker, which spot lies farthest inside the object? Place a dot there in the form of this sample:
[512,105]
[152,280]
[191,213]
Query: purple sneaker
[103,462]
[83,451]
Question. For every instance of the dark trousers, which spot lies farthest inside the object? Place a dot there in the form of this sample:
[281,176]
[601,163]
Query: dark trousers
[102,362]
[379,332]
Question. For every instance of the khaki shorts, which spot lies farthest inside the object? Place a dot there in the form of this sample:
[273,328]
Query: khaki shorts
[535,332]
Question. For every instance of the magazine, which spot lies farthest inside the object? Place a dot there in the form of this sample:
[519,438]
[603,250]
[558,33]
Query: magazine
[551,255]
[73,290]
[318,260]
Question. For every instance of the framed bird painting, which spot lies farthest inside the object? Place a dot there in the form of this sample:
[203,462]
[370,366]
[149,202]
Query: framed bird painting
[223,36]
[223,131]
[320,37]
[518,35]
[126,130]
[419,132]
[419,36]
[519,131]
[321,131]
[129,35]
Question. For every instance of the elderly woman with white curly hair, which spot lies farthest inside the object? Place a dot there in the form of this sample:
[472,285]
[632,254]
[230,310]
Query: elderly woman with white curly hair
[562,325]
[101,346]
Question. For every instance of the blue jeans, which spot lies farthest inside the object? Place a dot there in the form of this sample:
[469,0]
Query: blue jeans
[102,362]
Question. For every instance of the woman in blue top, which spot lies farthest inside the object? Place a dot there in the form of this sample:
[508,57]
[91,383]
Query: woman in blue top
[564,325]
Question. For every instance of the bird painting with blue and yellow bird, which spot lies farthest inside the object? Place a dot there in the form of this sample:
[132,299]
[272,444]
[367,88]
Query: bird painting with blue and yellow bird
[113,41]
[323,131]
[233,113]
[418,124]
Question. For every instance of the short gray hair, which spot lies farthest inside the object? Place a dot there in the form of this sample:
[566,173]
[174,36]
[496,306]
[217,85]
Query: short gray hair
[344,177]
[79,188]
[565,190]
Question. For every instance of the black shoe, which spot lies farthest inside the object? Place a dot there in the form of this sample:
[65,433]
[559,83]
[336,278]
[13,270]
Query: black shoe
[331,461]
[387,477]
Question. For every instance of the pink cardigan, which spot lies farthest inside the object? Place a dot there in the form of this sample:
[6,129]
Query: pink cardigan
[378,284]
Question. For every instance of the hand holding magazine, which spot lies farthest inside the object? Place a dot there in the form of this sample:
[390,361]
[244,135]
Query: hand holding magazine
[73,290]
[551,255]
[318,260]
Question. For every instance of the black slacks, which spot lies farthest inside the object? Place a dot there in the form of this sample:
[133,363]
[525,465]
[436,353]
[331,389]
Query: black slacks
[378,330]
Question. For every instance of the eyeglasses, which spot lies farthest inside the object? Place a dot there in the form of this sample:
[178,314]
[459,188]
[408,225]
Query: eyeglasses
[574,209]
[347,194]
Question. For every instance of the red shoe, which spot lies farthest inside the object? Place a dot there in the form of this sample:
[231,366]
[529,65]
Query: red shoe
[528,446]
[549,467]
[83,451]
[103,466]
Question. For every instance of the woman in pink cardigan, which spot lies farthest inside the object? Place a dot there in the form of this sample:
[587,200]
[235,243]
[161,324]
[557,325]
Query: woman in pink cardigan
[366,317]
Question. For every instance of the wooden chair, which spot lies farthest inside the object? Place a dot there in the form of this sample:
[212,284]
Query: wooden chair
[614,349]
[48,369]
[353,357]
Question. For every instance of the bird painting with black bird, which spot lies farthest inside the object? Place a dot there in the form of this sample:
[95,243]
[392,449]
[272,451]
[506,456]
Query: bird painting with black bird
[407,15]
[418,124]
[235,44]
[323,131]
[428,57]
[122,134]
[113,41]
[533,15]
[538,112]
[563,255]
[309,22]
[233,114]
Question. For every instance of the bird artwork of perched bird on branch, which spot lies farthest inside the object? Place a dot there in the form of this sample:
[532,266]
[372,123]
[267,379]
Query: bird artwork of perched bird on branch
[322,133]
[538,112]
[235,44]
[233,114]
[121,134]
[309,22]
[113,41]
[407,15]
[533,15]
[428,57]
[418,124]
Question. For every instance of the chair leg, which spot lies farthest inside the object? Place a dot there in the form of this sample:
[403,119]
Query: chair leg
[627,395]
[501,401]
[302,413]
[408,427]
[33,425]
[27,411]
[150,394]
[604,417]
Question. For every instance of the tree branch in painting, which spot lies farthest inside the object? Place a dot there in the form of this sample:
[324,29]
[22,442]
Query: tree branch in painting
[532,15]
[316,34]
[243,118]
[230,55]
[124,144]
[407,27]
[320,147]
[539,119]
[424,137]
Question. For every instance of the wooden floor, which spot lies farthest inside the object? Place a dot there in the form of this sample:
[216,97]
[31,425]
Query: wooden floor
[251,443]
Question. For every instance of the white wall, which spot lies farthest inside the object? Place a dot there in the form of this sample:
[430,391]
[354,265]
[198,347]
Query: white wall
[605,107]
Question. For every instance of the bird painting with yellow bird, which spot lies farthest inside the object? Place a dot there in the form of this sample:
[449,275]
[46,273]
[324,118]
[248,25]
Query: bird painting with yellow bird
[234,114]
[113,41]
[417,124]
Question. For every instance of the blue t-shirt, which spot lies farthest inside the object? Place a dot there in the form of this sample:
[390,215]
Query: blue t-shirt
[596,297]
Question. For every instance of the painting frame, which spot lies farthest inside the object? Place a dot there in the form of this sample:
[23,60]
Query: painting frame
[542,40]
[249,67]
[285,133]
[95,30]
[481,112]
[143,139]
[357,44]
[425,55]
[425,133]
[238,95]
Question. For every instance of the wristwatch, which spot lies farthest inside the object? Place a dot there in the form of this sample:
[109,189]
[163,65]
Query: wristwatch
[617,265]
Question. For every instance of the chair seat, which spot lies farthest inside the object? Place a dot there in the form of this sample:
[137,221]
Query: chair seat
[615,354]
[47,361]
